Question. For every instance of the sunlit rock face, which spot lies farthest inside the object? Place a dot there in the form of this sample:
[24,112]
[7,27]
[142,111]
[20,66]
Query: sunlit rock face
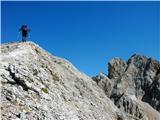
[36,85]
[133,86]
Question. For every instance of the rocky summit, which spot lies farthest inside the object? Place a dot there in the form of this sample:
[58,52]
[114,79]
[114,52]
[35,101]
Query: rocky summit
[36,85]
[133,86]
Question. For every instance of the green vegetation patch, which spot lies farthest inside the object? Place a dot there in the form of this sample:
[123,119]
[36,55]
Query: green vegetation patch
[45,90]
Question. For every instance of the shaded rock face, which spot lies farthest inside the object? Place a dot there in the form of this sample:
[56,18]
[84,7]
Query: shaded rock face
[38,86]
[135,86]
[104,82]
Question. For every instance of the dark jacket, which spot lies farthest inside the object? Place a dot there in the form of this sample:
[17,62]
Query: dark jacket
[25,31]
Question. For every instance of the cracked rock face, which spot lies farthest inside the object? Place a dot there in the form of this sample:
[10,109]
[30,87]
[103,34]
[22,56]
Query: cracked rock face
[135,86]
[38,86]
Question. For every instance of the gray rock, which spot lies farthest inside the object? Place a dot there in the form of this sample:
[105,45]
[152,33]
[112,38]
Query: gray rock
[116,68]
[104,83]
[135,83]
[39,86]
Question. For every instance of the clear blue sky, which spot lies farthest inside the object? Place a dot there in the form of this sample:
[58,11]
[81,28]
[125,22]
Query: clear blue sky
[88,34]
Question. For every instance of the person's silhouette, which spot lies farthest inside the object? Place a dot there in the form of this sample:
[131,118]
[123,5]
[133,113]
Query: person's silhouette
[25,31]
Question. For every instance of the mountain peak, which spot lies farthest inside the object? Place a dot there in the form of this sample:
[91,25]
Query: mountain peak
[134,86]
[38,85]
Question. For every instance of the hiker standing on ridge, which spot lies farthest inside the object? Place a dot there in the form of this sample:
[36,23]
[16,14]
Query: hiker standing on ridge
[25,31]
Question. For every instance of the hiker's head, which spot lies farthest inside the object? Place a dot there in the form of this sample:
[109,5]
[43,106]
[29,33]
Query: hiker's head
[25,26]
[22,26]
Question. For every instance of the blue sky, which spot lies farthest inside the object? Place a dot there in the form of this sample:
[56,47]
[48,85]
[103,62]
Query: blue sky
[88,34]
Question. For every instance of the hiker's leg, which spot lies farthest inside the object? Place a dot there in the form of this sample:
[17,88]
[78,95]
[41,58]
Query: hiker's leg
[23,39]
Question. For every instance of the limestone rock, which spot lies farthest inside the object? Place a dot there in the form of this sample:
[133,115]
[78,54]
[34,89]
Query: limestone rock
[104,83]
[136,86]
[36,85]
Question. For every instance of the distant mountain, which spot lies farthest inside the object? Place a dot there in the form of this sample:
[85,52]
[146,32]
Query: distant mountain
[133,86]
[36,85]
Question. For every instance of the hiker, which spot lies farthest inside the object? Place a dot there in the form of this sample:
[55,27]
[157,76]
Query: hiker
[25,31]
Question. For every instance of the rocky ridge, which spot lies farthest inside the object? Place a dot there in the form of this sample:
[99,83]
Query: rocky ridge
[38,86]
[133,86]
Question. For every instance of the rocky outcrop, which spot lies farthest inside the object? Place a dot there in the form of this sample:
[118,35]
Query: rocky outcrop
[104,83]
[134,86]
[38,86]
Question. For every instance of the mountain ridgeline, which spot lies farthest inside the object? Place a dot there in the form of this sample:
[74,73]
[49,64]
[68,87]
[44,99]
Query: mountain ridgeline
[36,85]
